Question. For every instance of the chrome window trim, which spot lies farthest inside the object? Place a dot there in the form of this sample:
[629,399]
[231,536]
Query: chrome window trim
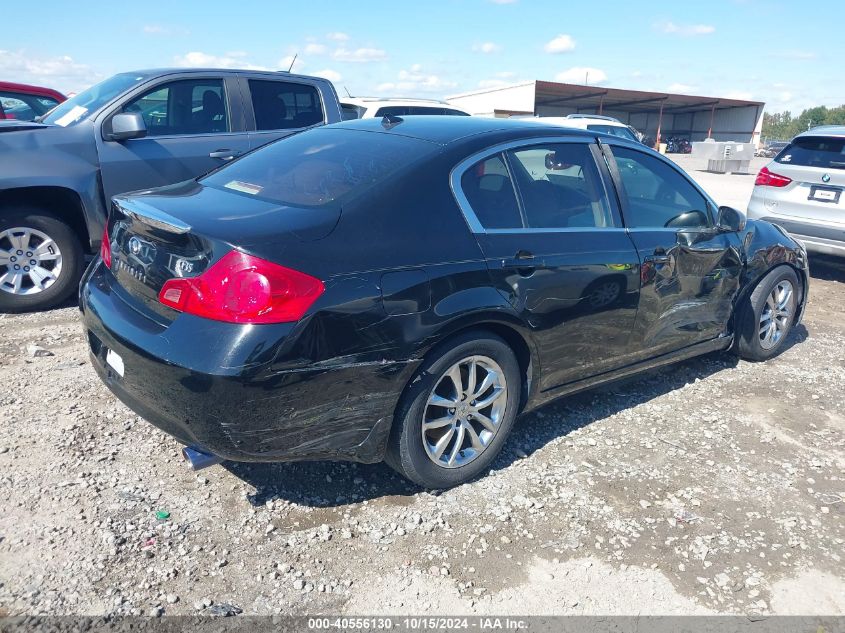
[471,218]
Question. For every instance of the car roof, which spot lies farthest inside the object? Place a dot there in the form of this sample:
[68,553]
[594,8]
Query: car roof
[824,130]
[154,72]
[33,90]
[575,121]
[447,129]
[393,101]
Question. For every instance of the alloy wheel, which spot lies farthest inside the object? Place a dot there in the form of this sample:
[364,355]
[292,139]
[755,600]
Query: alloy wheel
[464,411]
[30,261]
[776,313]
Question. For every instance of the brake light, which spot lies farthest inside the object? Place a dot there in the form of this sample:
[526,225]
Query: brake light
[768,178]
[241,288]
[105,246]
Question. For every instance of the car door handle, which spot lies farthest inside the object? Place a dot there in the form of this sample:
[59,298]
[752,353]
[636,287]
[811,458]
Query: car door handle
[658,259]
[225,154]
[523,261]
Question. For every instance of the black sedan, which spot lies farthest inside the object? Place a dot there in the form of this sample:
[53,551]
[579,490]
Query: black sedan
[403,289]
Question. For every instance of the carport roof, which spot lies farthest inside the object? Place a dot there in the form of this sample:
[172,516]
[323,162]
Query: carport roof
[552,93]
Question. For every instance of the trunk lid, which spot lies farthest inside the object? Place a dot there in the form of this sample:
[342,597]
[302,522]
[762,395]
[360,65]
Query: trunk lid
[181,230]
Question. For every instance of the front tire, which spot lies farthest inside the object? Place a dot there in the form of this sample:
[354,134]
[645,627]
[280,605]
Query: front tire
[41,260]
[768,315]
[457,412]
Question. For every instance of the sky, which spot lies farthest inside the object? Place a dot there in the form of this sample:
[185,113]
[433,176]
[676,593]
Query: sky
[780,52]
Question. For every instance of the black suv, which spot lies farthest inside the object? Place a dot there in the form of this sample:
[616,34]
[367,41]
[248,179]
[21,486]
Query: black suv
[136,130]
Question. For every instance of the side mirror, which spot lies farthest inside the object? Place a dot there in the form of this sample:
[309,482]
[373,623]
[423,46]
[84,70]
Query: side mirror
[127,125]
[730,220]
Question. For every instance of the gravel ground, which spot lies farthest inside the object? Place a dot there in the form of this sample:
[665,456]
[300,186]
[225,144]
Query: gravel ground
[713,486]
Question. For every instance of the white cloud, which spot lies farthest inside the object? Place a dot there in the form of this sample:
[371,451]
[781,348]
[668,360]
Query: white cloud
[61,73]
[337,36]
[685,30]
[415,80]
[315,49]
[506,74]
[561,44]
[328,73]
[582,74]
[742,95]
[237,59]
[795,54]
[360,55]
[685,88]
[487,47]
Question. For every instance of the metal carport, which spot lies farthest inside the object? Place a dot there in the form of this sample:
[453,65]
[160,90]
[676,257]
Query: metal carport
[656,114]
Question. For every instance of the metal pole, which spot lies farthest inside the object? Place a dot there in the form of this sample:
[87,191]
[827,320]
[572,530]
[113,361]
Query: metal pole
[659,125]
[712,115]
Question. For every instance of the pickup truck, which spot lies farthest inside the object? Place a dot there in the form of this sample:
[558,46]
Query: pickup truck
[134,131]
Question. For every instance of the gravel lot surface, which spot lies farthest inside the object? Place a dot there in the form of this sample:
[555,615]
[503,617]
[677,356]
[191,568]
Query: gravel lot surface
[710,486]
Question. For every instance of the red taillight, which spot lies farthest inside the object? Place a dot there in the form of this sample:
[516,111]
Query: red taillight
[768,178]
[105,247]
[241,288]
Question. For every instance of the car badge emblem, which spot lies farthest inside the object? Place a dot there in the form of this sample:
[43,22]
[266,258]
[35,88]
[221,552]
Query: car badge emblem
[826,178]
[135,246]
[184,267]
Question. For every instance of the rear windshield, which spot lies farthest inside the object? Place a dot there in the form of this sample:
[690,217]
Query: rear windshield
[320,167]
[810,151]
[615,130]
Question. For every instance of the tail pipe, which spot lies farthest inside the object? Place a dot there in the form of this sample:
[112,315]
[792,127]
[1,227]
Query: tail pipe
[198,459]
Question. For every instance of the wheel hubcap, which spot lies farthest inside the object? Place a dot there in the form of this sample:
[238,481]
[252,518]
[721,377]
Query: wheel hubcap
[464,411]
[30,261]
[776,313]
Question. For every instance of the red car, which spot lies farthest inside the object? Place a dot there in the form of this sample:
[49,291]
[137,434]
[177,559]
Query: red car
[24,103]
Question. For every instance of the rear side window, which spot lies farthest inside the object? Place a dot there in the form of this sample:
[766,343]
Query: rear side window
[488,189]
[411,110]
[282,105]
[814,151]
[320,167]
[23,107]
[560,187]
[194,106]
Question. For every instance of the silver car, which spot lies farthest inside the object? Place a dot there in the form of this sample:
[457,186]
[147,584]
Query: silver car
[801,190]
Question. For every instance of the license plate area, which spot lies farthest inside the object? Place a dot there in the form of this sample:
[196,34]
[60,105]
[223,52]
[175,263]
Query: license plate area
[825,194]
[114,361]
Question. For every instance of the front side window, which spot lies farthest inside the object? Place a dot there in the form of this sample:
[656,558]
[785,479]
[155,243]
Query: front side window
[282,105]
[814,151]
[195,106]
[560,187]
[488,189]
[658,195]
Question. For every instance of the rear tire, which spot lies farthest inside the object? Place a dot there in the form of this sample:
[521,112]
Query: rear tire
[41,260]
[768,314]
[484,411]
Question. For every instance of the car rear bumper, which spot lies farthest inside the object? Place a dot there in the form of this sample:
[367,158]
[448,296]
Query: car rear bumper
[177,379]
[828,238]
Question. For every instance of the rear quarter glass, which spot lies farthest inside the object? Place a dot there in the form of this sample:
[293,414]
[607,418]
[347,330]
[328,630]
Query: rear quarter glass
[325,166]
